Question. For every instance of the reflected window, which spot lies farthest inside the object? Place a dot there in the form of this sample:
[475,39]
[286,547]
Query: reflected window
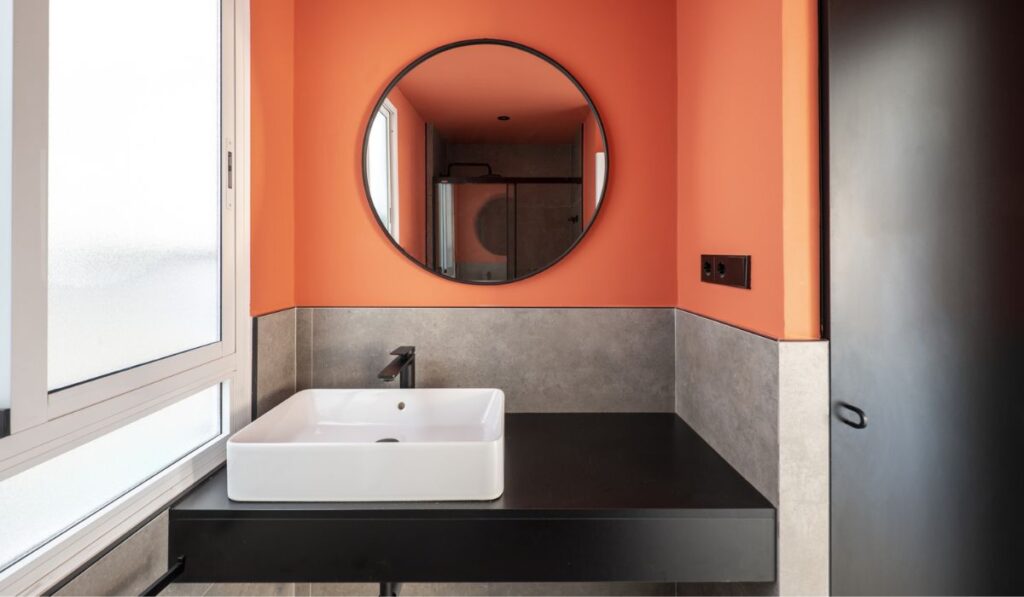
[600,169]
[382,166]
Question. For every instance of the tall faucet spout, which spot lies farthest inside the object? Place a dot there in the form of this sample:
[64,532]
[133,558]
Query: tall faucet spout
[402,366]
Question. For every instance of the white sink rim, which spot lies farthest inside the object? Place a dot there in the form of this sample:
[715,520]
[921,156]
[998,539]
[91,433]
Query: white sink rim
[324,445]
[257,432]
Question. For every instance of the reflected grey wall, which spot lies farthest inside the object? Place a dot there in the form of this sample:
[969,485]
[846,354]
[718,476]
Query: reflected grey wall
[518,159]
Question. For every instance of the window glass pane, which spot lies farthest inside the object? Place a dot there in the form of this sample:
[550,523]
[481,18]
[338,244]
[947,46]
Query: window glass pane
[377,166]
[6,122]
[134,183]
[38,504]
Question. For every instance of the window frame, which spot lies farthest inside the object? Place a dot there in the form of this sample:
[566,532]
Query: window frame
[45,424]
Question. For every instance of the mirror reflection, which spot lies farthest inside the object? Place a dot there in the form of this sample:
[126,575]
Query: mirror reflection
[485,162]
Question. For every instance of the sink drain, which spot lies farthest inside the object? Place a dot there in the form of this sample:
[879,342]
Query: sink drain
[386,440]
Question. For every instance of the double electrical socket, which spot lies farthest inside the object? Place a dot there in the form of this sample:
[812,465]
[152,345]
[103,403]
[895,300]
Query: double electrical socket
[728,270]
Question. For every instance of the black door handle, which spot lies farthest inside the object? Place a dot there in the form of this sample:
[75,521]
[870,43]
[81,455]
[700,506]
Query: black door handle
[859,423]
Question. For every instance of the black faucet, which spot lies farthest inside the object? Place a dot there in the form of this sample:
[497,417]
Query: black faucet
[404,364]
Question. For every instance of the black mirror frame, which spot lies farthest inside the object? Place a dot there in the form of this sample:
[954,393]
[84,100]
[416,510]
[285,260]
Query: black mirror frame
[475,42]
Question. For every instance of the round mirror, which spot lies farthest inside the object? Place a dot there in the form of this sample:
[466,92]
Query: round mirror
[485,161]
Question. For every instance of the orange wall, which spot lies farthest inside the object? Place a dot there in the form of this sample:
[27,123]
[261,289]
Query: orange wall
[711,118]
[345,54]
[412,167]
[747,160]
[272,153]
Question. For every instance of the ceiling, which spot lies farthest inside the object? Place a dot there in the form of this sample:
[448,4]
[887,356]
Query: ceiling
[463,91]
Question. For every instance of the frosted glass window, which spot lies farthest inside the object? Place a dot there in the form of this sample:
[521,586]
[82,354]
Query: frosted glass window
[6,124]
[46,500]
[134,183]
[378,168]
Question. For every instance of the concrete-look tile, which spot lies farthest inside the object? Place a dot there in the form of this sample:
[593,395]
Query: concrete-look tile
[345,589]
[129,567]
[546,360]
[186,589]
[803,468]
[251,590]
[303,348]
[275,359]
[751,589]
[462,589]
[727,390]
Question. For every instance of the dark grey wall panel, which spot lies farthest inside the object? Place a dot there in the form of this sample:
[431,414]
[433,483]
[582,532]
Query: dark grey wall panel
[926,194]
[545,359]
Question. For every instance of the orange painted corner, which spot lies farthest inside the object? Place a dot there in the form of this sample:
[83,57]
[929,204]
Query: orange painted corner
[747,160]
[272,176]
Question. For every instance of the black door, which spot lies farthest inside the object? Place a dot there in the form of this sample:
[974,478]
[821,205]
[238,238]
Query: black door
[924,171]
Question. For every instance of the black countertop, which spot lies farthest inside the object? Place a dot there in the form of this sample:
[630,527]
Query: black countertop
[602,489]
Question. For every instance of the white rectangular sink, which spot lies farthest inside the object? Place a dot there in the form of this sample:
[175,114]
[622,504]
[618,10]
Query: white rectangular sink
[372,446]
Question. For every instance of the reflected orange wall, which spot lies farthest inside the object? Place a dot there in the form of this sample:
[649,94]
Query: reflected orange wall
[747,160]
[272,223]
[347,52]
[730,83]
[411,176]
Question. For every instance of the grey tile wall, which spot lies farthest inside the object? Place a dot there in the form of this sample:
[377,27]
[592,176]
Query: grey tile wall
[129,567]
[275,359]
[545,360]
[727,389]
[764,406]
[803,468]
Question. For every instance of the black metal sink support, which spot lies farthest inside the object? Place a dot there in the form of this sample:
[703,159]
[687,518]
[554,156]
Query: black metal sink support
[588,497]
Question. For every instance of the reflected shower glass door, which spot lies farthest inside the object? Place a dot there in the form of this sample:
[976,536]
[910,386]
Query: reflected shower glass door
[473,231]
[548,222]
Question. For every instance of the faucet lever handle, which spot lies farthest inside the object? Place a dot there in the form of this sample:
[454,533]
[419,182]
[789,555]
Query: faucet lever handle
[404,350]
